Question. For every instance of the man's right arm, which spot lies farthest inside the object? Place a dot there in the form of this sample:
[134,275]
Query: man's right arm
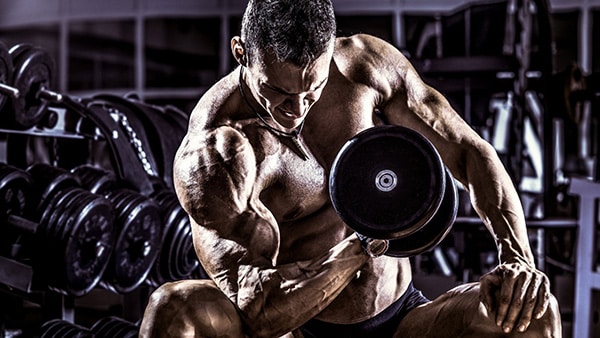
[237,238]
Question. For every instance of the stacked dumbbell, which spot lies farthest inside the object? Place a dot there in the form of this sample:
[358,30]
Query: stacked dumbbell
[176,257]
[138,226]
[25,80]
[106,327]
[64,232]
[26,74]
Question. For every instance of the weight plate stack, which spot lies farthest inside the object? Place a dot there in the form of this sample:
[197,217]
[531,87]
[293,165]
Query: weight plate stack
[139,234]
[177,259]
[77,239]
[33,70]
[6,70]
[114,327]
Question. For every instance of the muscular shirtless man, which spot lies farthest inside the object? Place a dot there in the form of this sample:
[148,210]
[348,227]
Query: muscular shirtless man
[252,174]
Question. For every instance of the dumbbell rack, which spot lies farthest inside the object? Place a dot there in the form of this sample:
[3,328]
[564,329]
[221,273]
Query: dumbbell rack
[19,279]
[120,125]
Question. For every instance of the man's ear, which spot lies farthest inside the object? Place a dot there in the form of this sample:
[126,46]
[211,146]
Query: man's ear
[238,50]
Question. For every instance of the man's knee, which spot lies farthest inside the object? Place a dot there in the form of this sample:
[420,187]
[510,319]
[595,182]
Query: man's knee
[550,324]
[194,308]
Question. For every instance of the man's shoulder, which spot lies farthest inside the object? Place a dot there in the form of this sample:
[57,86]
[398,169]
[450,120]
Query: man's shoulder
[369,60]
[361,42]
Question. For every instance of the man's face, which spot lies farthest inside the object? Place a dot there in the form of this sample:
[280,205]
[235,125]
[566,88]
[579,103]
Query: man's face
[287,91]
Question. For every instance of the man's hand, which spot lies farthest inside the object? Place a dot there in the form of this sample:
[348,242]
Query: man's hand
[514,294]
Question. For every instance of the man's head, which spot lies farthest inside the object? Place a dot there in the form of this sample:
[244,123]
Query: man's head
[294,31]
[286,48]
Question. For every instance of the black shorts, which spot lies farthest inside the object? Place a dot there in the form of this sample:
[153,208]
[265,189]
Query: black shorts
[382,325]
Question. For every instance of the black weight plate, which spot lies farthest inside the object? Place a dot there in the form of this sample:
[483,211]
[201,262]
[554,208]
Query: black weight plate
[51,324]
[387,182]
[166,267]
[96,180]
[176,260]
[49,180]
[49,260]
[53,258]
[33,70]
[89,246]
[137,246]
[58,329]
[185,260]
[104,326]
[434,232]
[6,70]
[122,328]
[112,328]
[18,50]
[101,325]
[49,228]
[15,189]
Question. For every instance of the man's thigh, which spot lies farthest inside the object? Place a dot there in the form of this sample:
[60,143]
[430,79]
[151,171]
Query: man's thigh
[450,315]
[459,313]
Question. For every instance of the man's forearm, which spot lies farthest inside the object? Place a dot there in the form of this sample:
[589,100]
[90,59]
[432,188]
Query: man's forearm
[495,199]
[275,301]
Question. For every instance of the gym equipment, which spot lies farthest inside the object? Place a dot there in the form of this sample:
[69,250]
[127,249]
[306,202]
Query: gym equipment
[114,327]
[160,128]
[6,69]
[138,224]
[29,90]
[60,328]
[177,259]
[389,182]
[70,239]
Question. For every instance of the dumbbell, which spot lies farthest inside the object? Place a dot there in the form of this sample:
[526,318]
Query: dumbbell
[114,327]
[138,224]
[6,70]
[389,183]
[177,259]
[29,72]
[60,328]
[68,242]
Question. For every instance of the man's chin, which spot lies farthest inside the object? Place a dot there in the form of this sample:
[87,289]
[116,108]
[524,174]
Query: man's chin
[289,123]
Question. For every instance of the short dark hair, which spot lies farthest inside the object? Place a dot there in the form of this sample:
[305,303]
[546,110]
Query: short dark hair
[296,31]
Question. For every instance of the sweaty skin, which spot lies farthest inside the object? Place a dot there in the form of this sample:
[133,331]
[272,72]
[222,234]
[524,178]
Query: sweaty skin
[264,228]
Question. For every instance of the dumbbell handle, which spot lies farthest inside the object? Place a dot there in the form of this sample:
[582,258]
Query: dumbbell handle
[10,91]
[43,93]
[50,95]
[23,224]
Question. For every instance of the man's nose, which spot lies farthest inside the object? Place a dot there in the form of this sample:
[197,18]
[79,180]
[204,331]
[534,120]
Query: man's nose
[296,104]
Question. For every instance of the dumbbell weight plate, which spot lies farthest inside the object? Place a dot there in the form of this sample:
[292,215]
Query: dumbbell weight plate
[185,256]
[51,257]
[138,240]
[102,326]
[49,180]
[6,69]
[387,182]
[80,240]
[96,180]
[15,187]
[33,70]
[185,260]
[89,245]
[177,258]
[434,232]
